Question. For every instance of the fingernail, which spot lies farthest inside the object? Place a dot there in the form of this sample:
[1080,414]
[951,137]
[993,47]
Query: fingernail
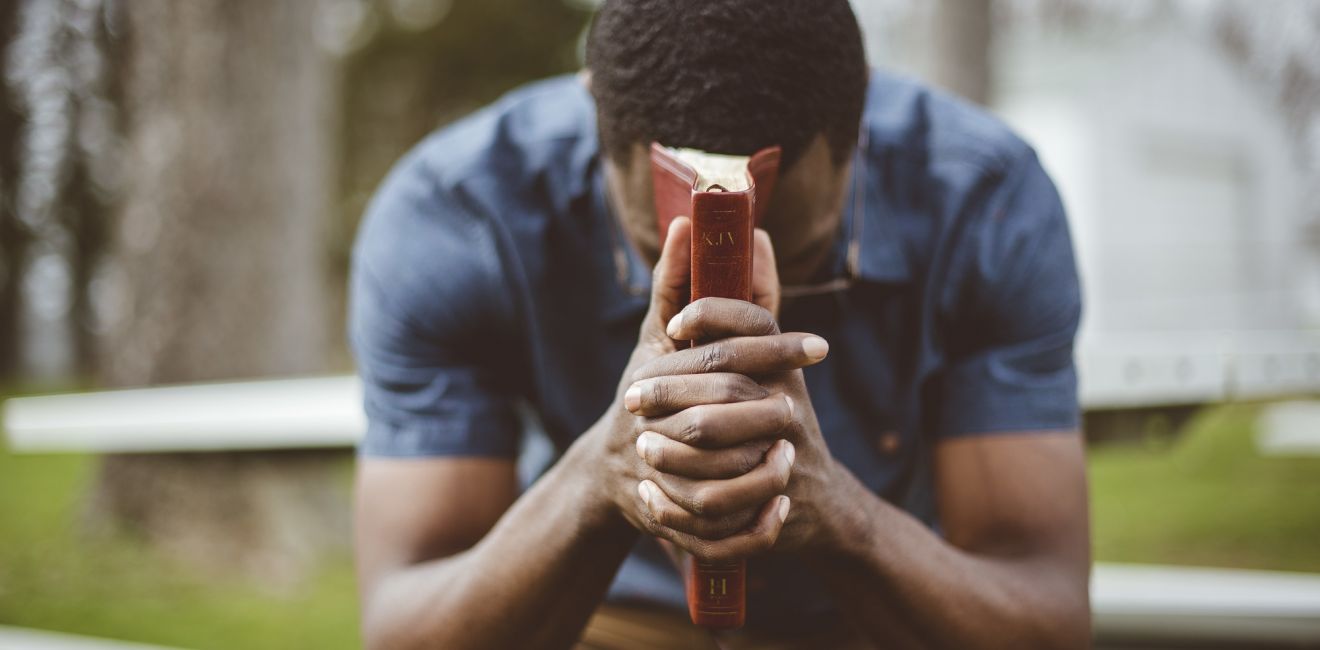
[789,452]
[674,323]
[633,398]
[783,509]
[815,347]
[792,409]
[643,443]
[644,490]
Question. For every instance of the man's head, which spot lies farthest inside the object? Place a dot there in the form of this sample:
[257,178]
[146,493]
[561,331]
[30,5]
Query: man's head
[727,76]
[732,77]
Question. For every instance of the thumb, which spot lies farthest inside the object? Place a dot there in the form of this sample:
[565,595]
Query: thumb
[765,274]
[671,281]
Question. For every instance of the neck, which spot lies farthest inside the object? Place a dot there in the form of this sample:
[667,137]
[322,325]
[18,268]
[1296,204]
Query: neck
[630,204]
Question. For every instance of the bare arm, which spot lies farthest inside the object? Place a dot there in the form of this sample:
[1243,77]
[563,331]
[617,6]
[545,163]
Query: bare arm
[1011,570]
[432,576]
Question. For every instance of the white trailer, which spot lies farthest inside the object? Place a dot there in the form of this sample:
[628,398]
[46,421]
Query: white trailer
[1197,252]
[1184,177]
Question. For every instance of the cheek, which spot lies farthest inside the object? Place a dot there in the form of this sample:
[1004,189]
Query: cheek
[787,234]
[794,232]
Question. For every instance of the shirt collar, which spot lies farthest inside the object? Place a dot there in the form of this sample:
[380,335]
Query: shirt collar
[627,285]
[881,241]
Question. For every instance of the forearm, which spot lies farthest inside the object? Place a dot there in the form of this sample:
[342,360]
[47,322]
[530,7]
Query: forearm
[532,581]
[904,585]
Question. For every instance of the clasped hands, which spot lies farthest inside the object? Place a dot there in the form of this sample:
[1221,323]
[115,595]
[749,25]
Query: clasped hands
[716,448]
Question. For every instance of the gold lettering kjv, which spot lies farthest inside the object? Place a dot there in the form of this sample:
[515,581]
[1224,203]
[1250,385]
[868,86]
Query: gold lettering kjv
[717,238]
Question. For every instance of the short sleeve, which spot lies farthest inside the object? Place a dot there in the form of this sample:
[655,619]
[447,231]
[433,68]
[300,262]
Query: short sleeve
[431,327]
[1014,314]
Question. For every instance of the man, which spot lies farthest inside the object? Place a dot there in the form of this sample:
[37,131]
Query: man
[889,433]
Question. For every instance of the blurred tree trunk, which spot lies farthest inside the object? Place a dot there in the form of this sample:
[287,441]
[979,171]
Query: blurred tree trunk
[959,39]
[59,135]
[408,78]
[13,238]
[217,255]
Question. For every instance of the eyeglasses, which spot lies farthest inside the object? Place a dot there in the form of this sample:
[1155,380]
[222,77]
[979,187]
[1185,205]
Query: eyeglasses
[853,254]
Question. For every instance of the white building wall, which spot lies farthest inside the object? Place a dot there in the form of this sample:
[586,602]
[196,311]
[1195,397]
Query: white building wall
[1184,194]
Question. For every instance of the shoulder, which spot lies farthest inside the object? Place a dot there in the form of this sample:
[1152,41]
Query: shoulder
[926,127]
[966,199]
[535,129]
[965,187]
[432,235]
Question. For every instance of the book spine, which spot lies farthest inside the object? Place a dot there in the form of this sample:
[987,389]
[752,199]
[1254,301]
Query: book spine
[722,245]
[722,227]
[717,593]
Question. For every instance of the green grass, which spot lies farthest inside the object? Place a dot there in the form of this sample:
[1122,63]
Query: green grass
[53,576]
[1208,499]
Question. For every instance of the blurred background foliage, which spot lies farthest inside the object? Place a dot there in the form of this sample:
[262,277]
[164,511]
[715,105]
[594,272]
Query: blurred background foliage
[354,85]
[409,75]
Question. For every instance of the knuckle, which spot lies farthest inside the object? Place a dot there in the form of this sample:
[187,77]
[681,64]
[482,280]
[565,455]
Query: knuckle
[694,320]
[756,321]
[713,529]
[720,553]
[648,521]
[704,500]
[657,393]
[745,460]
[657,456]
[705,528]
[697,421]
[728,525]
[712,357]
[746,389]
[697,311]
[729,389]
[663,517]
[707,552]
[785,413]
[732,388]
[789,347]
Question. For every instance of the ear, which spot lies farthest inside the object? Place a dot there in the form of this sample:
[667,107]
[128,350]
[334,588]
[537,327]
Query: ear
[584,78]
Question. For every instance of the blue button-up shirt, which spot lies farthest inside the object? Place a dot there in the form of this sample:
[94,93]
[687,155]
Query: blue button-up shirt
[489,276]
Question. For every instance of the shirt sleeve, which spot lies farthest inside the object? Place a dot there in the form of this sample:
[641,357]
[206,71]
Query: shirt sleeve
[431,327]
[1014,314]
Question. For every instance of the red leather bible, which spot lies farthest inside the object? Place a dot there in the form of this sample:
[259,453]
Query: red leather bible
[719,194]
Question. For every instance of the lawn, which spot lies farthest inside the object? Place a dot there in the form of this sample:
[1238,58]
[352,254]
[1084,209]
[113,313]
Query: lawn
[1206,499]
[54,577]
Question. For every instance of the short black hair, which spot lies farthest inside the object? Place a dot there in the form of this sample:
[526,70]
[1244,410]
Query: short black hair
[727,76]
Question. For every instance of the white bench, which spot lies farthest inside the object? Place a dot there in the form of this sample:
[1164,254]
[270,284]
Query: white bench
[17,638]
[1289,429]
[1184,603]
[271,414]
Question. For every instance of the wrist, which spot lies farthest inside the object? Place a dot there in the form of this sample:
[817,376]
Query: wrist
[846,525]
[581,468]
